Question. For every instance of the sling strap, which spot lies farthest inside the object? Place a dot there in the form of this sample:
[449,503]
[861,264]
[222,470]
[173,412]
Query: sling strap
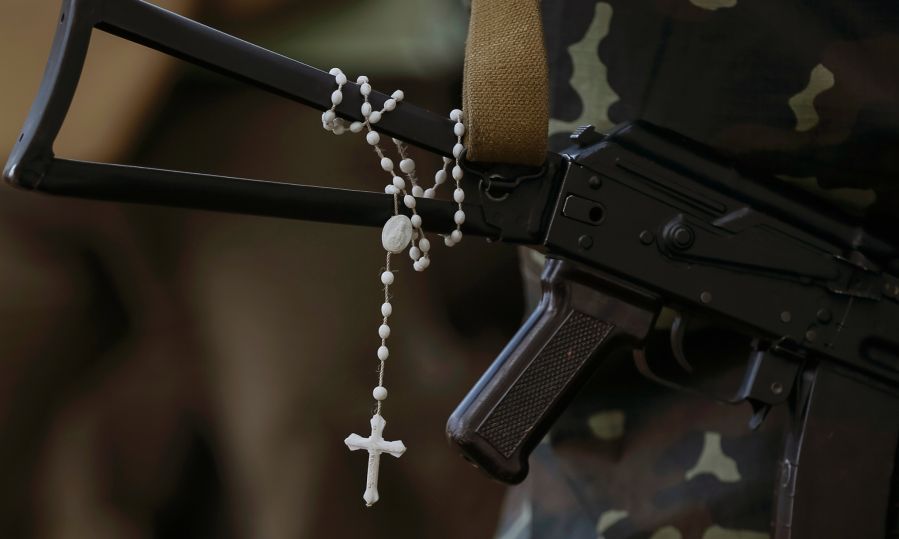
[505,93]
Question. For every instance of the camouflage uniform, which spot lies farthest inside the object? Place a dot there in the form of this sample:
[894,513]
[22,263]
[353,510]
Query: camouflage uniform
[806,91]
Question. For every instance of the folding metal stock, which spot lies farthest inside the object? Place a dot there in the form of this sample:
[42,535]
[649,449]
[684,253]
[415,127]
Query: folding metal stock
[32,164]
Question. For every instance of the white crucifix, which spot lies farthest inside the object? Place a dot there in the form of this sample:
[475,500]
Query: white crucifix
[375,445]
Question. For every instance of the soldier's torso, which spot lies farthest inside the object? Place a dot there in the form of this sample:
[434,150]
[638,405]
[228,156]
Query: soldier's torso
[807,91]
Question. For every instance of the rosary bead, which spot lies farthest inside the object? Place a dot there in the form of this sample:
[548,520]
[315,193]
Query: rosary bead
[383,353]
[458,173]
[390,190]
[439,177]
[356,127]
[379,393]
[424,245]
[409,201]
[339,129]
[416,221]
[336,97]
[384,331]
[373,137]
[340,79]
[429,193]
[456,236]
[365,88]
[407,165]
[457,150]
[328,116]
[398,95]
[459,217]
[424,262]
[399,183]
[459,196]
[335,71]
[418,266]
[390,104]
[448,241]
[387,277]
[459,129]
[374,117]
[387,164]
[456,115]
[361,79]
[414,253]
[366,109]
[417,191]
[386,309]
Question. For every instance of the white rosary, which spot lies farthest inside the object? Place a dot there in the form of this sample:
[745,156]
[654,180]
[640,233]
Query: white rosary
[399,232]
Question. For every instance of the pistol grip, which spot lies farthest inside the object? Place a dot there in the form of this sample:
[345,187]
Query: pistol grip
[511,408]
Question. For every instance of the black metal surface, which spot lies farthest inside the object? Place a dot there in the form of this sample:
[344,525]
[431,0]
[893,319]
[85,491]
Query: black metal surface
[178,36]
[768,375]
[839,459]
[811,287]
[32,165]
[238,195]
[515,199]
[767,196]
[741,263]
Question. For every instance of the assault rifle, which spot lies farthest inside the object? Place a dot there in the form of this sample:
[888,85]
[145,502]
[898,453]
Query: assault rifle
[631,221]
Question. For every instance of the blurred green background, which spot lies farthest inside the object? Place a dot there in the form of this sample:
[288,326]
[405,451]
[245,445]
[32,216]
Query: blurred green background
[171,373]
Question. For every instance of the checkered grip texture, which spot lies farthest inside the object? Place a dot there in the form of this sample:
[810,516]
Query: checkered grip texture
[509,423]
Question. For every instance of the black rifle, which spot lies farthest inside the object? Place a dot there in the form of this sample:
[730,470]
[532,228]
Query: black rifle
[632,221]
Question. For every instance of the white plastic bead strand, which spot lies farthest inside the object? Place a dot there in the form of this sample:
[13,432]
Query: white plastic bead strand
[406,165]
[330,121]
[397,187]
[398,233]
[380,392]
[459,194]
[420,244]
[439,178]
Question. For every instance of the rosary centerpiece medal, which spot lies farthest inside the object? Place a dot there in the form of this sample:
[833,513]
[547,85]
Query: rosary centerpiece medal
[399,233]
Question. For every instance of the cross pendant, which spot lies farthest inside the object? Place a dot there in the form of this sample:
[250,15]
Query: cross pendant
[375,445]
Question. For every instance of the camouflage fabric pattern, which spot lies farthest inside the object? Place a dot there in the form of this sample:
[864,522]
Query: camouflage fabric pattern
[630,459]
[804,91]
